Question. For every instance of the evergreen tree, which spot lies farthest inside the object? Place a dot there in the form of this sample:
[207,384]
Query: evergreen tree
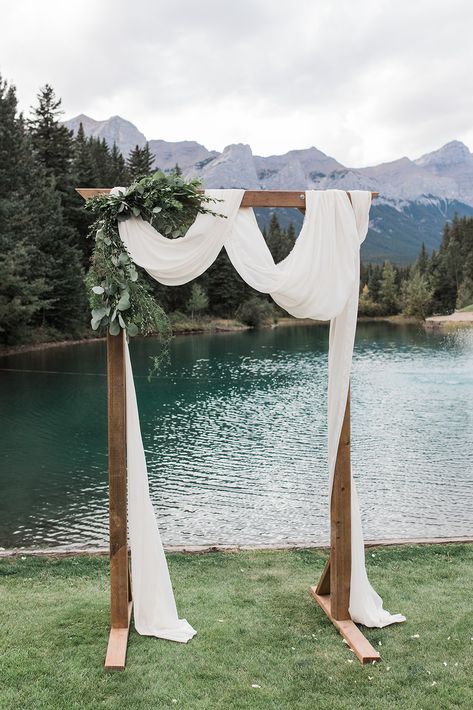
[388,291]
[139,162]
[52,141]
[279,241]
[225,288]
[118,171]
[84,168]
[27,282]
[374,282]
[422,260]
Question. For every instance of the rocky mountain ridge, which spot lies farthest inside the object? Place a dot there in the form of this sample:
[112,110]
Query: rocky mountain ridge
[416,197]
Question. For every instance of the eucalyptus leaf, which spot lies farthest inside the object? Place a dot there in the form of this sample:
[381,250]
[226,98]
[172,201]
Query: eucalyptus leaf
[156,210]
[114,328]
[121,321]
[98,313]
[123,258]
[124,302]
[132,330]
[136,211]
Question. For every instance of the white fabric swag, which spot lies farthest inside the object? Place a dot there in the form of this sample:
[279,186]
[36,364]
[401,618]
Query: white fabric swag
[320,280]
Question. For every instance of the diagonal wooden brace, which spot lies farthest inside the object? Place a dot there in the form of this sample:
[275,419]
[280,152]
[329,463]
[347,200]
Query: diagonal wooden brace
[333,590]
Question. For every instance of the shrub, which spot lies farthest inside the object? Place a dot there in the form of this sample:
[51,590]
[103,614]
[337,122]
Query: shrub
[255,312]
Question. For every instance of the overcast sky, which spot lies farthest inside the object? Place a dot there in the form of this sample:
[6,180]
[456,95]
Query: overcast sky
[365,82]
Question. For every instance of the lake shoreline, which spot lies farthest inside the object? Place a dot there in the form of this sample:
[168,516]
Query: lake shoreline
[212,327]
[71,551]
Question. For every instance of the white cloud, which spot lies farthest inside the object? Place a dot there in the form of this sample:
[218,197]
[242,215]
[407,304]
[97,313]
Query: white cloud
[364,82]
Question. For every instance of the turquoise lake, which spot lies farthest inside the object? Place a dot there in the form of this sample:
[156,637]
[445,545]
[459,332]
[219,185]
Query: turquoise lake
[234,430]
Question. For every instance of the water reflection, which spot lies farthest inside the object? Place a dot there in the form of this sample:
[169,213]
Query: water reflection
[235,434]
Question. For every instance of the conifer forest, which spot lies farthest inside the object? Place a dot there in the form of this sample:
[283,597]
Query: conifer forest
[45,248]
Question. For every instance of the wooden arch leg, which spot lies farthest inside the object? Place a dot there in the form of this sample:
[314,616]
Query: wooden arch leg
[333,590]
[120,590]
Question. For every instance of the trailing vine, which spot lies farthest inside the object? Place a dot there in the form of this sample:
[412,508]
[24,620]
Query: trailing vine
[120,297]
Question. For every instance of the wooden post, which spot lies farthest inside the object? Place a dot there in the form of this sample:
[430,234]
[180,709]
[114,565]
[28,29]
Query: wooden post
[120,597]
[333,590]
[340,524]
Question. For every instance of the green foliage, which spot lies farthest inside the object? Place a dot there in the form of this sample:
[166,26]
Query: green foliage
[198,300]
[366,306]
[416,295]
[52,141]
[388,290]
[465,293]
[21,297]
[140,162]
[119,298]
[255,312]
[280,241]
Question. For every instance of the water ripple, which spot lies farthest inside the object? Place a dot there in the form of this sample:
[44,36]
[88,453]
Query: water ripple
[235,437]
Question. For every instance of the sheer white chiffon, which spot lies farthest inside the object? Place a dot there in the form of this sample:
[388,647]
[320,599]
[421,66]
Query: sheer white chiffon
[319,279]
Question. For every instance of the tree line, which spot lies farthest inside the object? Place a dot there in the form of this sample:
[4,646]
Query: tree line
[45,251]
[437,283]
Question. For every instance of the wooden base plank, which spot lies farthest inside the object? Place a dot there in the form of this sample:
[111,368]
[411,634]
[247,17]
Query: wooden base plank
[115,659]
[364,651]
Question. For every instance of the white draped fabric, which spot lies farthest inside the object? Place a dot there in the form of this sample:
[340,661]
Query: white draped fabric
[319,279]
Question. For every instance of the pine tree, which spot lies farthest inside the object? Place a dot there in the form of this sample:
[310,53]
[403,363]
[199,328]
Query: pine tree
[280,242]
[374,282]
[422,259]
[52,141]
[84,168]
[139,162]
[118,171]
[25,291]
[388,290]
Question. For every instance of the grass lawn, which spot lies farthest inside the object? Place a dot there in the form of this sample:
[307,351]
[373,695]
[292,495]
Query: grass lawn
[257,625]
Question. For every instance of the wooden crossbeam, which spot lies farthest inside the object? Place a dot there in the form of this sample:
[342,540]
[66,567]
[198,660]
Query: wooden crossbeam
[251,198]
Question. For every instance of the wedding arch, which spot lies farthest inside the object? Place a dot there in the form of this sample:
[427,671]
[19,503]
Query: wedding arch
[320,280]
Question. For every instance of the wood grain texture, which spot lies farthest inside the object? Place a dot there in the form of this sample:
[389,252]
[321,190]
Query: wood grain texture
[323,587]
[115,659]
[340,524]
[251,198]
[119,586]
[351,633]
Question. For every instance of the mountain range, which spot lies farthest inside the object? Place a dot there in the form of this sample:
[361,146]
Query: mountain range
[416,197]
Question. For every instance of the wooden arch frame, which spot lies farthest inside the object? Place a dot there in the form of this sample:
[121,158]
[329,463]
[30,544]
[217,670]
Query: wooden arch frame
[332,592]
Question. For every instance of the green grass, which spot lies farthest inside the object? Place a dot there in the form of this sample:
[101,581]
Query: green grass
[256,624]
[467,309]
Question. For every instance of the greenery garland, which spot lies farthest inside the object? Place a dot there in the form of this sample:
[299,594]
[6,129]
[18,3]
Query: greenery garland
[120,297]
